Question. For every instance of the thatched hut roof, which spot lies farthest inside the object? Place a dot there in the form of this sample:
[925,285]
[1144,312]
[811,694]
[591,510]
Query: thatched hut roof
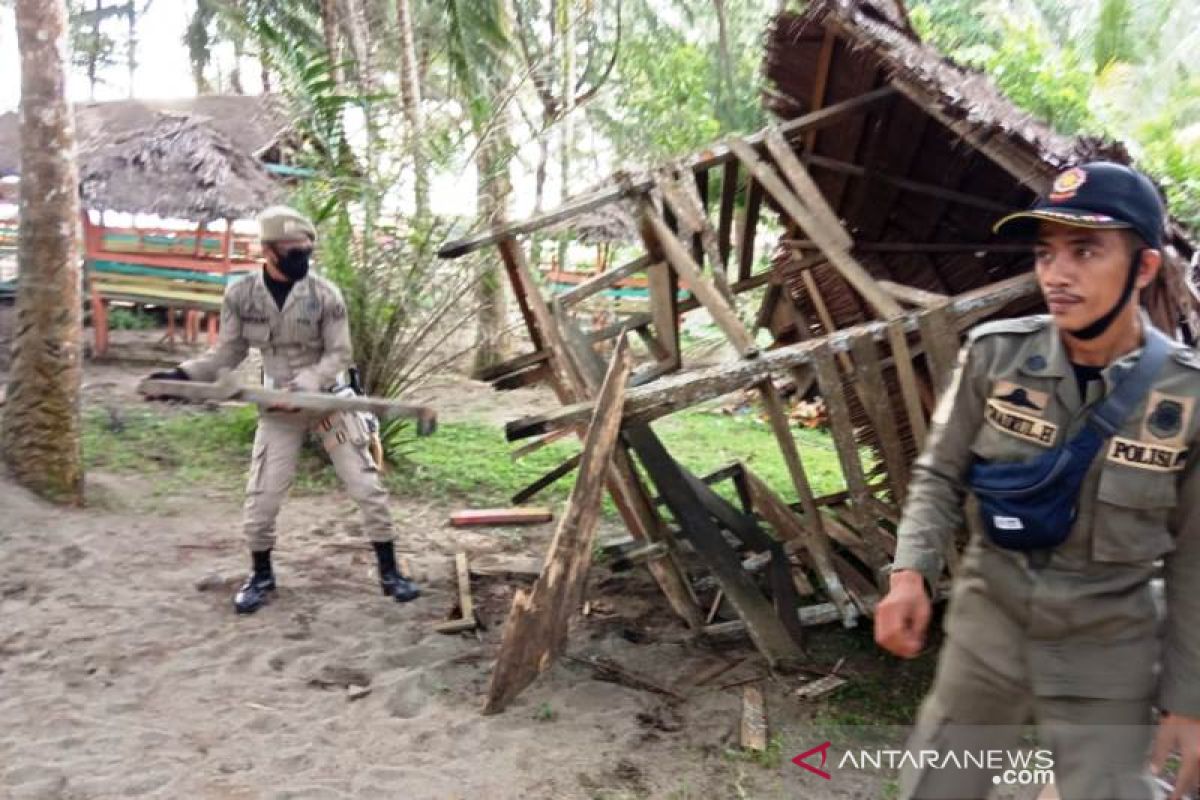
[177,167]
[948,128]
[607,224]
[252,123]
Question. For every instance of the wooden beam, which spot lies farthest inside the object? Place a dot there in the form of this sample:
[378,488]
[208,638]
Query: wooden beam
[799,209]
[941,345]
[902,359]
[489,374]
[820,83]
[533,447]
[708,158]
[729,187]
[678,257]
[536,631]
[905,184]
[685,390]
[749,228]
[918,247]
[604,280]
[530,491]
[788,526]
[912,295]
[875,395]
[466,604]
[842,431]
[688,211]
[805,187]
[766,630]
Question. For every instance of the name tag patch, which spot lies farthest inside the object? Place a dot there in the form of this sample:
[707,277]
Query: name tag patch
[1023,426]
[1144,455]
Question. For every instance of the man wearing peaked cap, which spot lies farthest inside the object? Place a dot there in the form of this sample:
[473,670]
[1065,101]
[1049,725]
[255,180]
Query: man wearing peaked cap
[298,323]
[1067,444]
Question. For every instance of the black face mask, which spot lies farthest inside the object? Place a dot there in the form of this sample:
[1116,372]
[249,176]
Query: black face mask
[294,263]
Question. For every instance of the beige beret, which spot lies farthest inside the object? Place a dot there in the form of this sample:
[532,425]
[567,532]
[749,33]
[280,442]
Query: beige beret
[280,223]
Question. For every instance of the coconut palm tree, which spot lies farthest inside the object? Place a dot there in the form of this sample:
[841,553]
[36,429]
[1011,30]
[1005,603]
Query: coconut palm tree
[41,436]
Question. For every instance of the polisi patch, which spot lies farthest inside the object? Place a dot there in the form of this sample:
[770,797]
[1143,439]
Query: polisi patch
[1145,455]
[1021,425]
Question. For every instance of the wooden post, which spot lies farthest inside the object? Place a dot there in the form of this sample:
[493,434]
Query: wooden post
[875,397]
[536,631]
[745,239]
[678,257]
[842,431]
[729,187]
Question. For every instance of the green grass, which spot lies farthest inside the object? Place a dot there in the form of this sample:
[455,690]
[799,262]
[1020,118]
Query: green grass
[463,462]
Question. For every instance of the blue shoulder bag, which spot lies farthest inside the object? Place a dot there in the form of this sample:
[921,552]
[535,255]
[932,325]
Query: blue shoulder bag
[1030,505]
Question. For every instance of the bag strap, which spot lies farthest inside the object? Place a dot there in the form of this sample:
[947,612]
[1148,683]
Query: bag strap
[1132,388]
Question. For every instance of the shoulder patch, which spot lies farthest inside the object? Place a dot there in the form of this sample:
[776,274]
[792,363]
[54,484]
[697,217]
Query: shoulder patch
[1018,325]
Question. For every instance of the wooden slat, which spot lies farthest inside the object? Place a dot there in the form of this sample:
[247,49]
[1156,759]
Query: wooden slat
[715,303]
[766,630]
[788,526]
[746,234]
[805,187]
[536,631]
[902,359]
[830,242]
[510,366]
[466,604]
[869,374]
[500,516]
[842,430]
[708,238]
[603,281]
[941,345]
[820,83]
[622,187]
[911,186]
[782,429]
[530,491]
[686,390]
[754,719]
[729,187]
[912,295]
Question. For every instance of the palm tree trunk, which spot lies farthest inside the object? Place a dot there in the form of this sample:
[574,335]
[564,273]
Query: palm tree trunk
[410,94]
[41,436]
[494,188]
[329,30]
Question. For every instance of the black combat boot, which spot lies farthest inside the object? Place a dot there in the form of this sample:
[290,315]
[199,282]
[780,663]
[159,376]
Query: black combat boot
[391,581]
[257,588]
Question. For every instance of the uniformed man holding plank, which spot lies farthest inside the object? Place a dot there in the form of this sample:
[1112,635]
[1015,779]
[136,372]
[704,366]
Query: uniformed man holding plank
[1076,433]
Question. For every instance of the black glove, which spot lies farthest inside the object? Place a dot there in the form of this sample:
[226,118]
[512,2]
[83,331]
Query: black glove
[173,374]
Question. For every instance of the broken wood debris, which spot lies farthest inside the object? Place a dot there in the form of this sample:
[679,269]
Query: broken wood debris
[500,516]
[466,605]
[754,719]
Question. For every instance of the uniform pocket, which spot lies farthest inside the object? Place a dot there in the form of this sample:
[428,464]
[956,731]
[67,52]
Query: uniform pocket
[1130,520]
[256,333]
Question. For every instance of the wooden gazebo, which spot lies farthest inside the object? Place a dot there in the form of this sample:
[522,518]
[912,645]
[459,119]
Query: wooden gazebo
[885,169]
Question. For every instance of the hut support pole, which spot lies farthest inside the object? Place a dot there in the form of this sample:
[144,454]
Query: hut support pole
[576,381]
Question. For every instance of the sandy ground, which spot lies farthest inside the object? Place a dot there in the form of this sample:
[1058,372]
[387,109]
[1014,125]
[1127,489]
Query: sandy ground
[125,673]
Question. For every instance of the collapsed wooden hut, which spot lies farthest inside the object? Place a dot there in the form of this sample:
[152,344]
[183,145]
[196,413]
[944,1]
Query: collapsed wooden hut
[885,170]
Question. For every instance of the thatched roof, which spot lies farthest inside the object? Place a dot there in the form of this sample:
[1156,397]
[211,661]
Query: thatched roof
[178,167]
[252,123]
[948,128]
[607,224]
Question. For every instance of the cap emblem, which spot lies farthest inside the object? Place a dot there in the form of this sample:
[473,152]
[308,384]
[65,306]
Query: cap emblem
[1067,184]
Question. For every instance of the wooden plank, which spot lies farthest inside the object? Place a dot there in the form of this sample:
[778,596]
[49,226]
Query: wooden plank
[941,345]
[842,430]
[912,295]
[876,399]
[857,545]
[604,280]
[489,374]
[799,209]
[227,388]
[685,390]
[500,516]
[530,491]
[788,526]
[729,187]
[818,614]
[466,604]
[767,632]
[861,591]
[749,228]
[902,360]
[536,631]
[663,310]
[804,187]
[820,83]
[709,157]
[782,429]
[910,186]
[693,207]
[754,719]
[676,254]
[533,447]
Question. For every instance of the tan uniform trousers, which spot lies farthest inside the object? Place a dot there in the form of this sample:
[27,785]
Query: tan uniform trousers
[277,446]
[1100,747]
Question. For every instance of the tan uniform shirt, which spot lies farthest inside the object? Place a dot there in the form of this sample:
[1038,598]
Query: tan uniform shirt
[1085,624]
[306,343]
